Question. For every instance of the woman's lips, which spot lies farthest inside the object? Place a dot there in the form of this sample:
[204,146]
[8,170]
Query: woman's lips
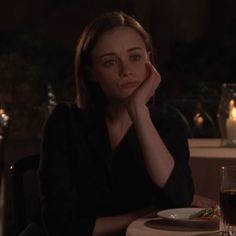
[129,85]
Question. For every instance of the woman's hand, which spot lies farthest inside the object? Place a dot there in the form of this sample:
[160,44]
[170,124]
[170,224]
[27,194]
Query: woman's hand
[201,201]
[159,162]
[145,91]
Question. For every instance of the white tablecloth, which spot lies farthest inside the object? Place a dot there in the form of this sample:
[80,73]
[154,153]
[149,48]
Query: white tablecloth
[158,227]
[211,148]
[207,157]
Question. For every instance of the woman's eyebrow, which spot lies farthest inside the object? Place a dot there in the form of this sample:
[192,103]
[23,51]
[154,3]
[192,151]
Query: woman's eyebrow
[113,53]
[107,54]
[134,48]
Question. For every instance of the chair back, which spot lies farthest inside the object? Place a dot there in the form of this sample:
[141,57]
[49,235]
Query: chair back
[25,189]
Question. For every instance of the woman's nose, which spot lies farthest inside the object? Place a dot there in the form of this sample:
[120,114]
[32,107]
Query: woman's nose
[125,70]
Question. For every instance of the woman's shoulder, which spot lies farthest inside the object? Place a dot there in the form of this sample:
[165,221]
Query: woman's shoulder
[65,107]
[66,113]
[68,109]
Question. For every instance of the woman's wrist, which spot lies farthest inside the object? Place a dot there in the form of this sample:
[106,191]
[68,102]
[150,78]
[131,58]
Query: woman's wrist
[137,112]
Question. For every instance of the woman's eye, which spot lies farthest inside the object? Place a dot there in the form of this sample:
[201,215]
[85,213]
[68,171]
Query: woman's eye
[109,63]
[135,57]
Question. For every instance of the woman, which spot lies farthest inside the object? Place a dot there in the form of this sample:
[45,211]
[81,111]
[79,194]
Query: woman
[111,157]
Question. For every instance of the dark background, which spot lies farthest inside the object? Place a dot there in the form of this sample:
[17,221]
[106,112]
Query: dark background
[195,50]
[194,43]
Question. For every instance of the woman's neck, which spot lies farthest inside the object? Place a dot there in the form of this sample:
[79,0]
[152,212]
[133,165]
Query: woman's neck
[117,113]
[118,123]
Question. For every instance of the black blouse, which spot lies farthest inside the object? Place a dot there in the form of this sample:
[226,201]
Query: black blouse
[81,178]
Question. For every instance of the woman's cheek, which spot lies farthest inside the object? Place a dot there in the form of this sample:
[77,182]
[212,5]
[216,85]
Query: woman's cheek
[142,71]
[103,76]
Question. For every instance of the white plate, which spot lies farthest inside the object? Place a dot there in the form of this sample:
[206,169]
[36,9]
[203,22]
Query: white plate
[182,215]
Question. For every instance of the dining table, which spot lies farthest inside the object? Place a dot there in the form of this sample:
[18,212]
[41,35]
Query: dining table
[214,148]
[206,158]
[161,227]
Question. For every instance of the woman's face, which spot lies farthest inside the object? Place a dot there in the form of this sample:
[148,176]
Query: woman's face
[119,62]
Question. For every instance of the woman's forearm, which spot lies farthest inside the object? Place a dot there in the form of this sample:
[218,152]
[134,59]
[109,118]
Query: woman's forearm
[158,160]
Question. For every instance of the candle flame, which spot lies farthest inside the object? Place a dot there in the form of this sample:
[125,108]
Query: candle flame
[231,104]
[3,117]
[198,119]
[233,113]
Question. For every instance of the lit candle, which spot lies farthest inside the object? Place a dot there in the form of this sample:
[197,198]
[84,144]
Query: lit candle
[3,117]
[231,125]
[198,119]
[231,105]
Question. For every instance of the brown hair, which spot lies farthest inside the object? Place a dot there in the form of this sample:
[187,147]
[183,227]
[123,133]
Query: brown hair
[89,94]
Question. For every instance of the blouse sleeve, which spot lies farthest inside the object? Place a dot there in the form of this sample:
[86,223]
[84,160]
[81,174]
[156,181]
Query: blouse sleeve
[179,189]
[59,197]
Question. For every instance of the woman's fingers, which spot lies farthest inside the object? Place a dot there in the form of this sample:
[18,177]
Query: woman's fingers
[146,90]
[153,78]
[153,74]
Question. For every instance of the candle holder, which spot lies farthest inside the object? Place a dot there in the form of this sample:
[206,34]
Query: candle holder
[227,114]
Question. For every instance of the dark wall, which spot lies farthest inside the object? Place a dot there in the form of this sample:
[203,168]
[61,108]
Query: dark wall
[194,44]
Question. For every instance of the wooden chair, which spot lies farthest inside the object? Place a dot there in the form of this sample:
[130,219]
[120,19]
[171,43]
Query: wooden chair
[197,119]
[174,110]
[25,189]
